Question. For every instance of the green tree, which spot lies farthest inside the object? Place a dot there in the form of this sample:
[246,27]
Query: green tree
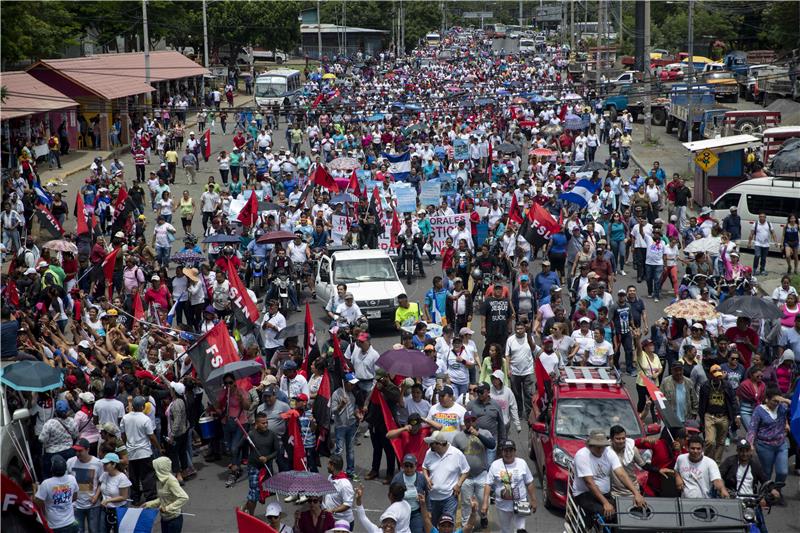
[35,30]
[779,28]
[421,17]
[711,22]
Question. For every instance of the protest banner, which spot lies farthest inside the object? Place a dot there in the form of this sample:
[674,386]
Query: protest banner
[340,224]
[430,193]
[460,150]
[406,199]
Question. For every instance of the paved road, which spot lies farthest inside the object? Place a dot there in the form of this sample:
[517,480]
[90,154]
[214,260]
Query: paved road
[213,504]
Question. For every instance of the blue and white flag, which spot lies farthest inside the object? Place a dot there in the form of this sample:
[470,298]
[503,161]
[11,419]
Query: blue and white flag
[581,193]
[171,314]
[136,520]
[43,196]
[399,165]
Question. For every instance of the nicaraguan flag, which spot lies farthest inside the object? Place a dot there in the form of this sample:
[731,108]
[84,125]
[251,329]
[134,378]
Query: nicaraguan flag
[581,193]
[43,195]
[399,165]
[136,520]
[171,314]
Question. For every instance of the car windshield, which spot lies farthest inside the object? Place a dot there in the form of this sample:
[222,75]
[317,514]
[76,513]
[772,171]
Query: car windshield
[576,417]
[719,76]
[360,270]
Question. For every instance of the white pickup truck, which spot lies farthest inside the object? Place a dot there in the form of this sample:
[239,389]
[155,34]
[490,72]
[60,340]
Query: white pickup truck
[369,274]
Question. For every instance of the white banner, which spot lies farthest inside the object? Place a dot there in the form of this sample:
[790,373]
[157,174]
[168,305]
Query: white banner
[340,225]
[441,226]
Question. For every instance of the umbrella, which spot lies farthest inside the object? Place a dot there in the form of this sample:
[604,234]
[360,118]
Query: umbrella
[573,122]
[698,59]
[705,245]
[412,128]
[61,245]
[329,76]
[31,376]
[292,330]
[188,257]
[507,148]
[221,238]
[691,309]
[344,163]
[572,96]
[299,482]
[377,117]
[543,152]
[592,166]
[344,198]
[466,103]
[750,307]
[484,101]
[239,369]
[409,363]
[519,100]
[552,129]
[274,237]
[536,99]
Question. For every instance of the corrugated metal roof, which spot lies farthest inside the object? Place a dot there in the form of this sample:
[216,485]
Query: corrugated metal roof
[27,96]
[732,142]
[118,75]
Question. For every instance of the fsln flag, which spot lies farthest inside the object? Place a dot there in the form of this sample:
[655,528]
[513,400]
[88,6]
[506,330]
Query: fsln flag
[310,347]
[538,226]
[135,519]
[211,351]
[240,296]
[399,165]
[49,228]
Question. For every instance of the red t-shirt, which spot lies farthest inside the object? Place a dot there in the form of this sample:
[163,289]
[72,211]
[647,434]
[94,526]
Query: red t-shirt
[738,337]
[160,296]
[447,257]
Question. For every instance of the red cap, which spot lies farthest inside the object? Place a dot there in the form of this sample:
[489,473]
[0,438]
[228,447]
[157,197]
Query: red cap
[301,397]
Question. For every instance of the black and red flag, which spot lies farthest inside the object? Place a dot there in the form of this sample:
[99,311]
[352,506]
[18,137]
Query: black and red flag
[49,228]
[665,411]
[310,348]
[375,205]
[322,414]
[248,216]
[514,211]
[538,226]
[245,310]
[295,439]
[80,216]
[108,269]
[123,207]
[211,351]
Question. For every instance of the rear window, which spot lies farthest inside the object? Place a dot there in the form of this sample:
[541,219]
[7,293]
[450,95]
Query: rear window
[777,206]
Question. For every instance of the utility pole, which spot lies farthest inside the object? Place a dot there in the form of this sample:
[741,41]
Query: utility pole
[521,18]
[648,99]
[599,43]
[619,37]
[148,97]
[205,48]
[571,25]
[319,34]
[402,29]
[690,118]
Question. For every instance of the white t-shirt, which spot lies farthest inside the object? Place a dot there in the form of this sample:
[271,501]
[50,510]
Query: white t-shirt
[600,468]
[521,357]
[87,476]
[655,251]
[137,428]
[697,477]
[161,231]
[56,493]
[451,418]
[268,334]
[510,480]
[550,361]
[744,486]
[585,342]
[459,373]
[444,471]
[638,240]
[110,486]
[762,233]
[344,495]
[109,410]
[600,353]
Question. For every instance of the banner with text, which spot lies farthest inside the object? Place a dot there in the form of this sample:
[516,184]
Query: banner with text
[441,225]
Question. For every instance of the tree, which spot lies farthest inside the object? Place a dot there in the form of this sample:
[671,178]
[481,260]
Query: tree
[421,17]
[781,21]
[711,22]
[35,30]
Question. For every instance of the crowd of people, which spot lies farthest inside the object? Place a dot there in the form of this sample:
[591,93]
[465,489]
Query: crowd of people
[119,321]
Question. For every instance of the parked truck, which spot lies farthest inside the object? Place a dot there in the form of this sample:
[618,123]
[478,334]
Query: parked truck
[784,85]
[724,122]
[684,98]
[626,98]
[738,61]
[724,84]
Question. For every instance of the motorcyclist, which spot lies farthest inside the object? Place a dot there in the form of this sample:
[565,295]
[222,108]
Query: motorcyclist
[487,264]
[256,252]
[319,237]
[281,265]
[228,256]
[408,243]
[348,310]
[300,255]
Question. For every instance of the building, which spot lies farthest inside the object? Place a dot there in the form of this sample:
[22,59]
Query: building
[111,89]
[33,111]
[340,40]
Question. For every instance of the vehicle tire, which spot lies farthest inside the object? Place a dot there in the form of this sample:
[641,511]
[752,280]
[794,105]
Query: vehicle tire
[659,117]
[670,125]
[683,132]
[745,127]
[284,306]
[546,494]
[742,90]
[612,114]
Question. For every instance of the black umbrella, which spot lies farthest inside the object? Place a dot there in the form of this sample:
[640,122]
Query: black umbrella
[32,376]
[239,369]
[750,307]
[221,238]
[292,330]
[591,166]
[507,148]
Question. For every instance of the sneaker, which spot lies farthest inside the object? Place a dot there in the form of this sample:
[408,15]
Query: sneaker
[301,500]
[354,477]
[231,480]
[622,273]
[290,499]
[484,522]
[655,300]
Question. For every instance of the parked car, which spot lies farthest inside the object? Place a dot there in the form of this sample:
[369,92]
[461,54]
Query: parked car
[672,72]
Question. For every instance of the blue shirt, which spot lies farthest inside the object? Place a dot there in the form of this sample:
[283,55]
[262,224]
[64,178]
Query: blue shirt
[558,243]
[544,282]
[680,400]
[309,437]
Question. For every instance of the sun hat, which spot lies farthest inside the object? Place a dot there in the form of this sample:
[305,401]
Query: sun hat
[597,437]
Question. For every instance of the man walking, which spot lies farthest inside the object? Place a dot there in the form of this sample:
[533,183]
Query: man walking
[86,469]
[55,497]
[474,443]
[717,412]
[139,437]
[445,469]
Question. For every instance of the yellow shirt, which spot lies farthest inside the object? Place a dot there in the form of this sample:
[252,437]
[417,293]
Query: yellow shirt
[649,367]
[410,314]
[171,156]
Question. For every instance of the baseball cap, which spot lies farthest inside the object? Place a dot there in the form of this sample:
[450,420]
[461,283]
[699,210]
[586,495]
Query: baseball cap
[524,277]
[110,458]
[716,371]
[584,319]
[155,277]
[268,380]
[289,365]
[179,388]
[363,336]
[742,444]
[508,443]
[81,444]
[446,518]
[410,458]
[302,397]
[436,437]
[274,509]
[350,378]
[62,406]
[465,331]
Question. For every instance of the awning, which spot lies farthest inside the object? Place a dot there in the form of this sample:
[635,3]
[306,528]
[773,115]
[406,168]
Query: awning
[25,95]
[723,144]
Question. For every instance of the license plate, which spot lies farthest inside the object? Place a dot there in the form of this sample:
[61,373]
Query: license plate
[373,314]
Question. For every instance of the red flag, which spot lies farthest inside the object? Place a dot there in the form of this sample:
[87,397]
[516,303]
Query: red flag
[388,418]
[310,348]
[295,439]
[489,163]
[538,226]
[108,269]
[119,203]
[338,355]
[211,351]
[317,100]
[11,293]
[322,178]
[353,183]
[18,508]
[365,194]
[395,229]
[322,411]
[251,524]
[562,115]
[249,213]
[80,216]
[207,143]
[666,412]
[542,377]
[138,307]
[376,205]
[514,212]
[239,294]
[49,227]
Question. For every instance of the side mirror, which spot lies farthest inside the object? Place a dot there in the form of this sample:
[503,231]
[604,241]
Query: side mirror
[539,427]
[653,429]
[21,414]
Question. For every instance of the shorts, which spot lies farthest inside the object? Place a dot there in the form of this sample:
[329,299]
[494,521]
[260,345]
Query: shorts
[252,480]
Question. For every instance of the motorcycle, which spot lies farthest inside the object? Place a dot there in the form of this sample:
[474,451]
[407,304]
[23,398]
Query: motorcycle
[753,510]
[257,274]
[282,282]
[482,280]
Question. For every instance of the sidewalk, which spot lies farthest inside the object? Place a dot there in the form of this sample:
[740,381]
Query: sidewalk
[79,160]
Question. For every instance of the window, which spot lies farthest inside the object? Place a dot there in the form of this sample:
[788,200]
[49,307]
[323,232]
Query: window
[576,417]
[325,271]
[775,206]
[727,201]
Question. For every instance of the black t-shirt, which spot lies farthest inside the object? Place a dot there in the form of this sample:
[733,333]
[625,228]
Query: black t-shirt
[497,312]
[682,196]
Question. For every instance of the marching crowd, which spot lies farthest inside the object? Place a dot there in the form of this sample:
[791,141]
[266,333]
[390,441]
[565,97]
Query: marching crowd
[125,428]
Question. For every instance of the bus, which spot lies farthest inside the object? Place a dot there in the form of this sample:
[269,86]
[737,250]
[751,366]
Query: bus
[277,87]
[591,30]
[495,31]
[433,39]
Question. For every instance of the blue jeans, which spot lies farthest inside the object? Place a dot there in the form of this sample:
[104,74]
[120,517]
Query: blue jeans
[460,388]
[345,442]
[653,276]
[89,519]
[618,249]
[172,526]
[491,455]
[443,507]
[774,456]
[162,255]
[415,524]
[760,254]
[232,436]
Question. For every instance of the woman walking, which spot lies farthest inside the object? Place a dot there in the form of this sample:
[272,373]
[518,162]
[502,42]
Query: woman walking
[224,163]
[115,489]
[791,243]
[767,433]
[186,208]
[178,430]
[171,497]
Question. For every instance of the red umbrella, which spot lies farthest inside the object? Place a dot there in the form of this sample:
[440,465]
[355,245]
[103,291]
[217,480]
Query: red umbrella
[274,237]
[546,152]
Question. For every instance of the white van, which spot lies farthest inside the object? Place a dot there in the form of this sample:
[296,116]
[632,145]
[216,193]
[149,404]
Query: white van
[527,46]
[369,274]
[776,197]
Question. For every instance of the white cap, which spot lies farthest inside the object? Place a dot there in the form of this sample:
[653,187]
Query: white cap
[179,388]
[274,509]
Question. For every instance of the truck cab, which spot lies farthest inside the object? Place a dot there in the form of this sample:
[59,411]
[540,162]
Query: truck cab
[369,274]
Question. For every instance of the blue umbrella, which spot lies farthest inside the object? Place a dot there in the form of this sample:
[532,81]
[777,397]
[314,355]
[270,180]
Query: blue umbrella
[220,238]
[31,376]
[503,92]
[377,117]
[485,101]
[536,98]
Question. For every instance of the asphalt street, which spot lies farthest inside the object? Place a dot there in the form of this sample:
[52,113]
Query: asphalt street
[211,505]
